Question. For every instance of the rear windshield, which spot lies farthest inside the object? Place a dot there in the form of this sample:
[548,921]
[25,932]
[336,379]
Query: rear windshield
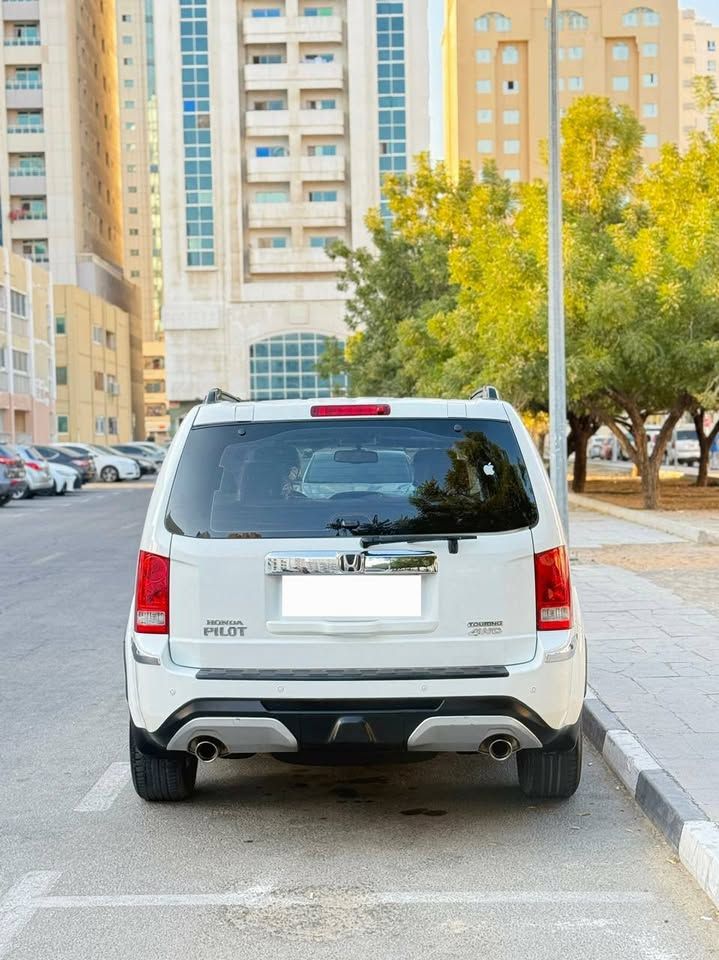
[336,478]
[687,435]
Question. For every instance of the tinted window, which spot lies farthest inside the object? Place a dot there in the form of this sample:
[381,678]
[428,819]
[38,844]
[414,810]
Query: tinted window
[686,435]
[332,478]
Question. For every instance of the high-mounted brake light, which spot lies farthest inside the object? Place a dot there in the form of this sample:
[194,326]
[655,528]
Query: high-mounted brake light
[351,410]
[553,590]
[152,594]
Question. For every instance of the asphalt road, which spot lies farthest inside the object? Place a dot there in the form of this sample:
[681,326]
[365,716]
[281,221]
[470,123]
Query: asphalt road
[442,859]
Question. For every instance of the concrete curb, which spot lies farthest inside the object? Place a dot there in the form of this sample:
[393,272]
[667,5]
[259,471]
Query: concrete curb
[670,808]
[646,518]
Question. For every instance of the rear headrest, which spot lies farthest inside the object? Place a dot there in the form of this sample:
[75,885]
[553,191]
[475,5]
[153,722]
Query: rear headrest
[430,465]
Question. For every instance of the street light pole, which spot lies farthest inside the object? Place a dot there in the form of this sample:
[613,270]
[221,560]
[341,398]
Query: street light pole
[557,364]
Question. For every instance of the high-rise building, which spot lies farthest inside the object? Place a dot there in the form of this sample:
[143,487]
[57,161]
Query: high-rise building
[495,74]
[141,192]
[699,58]
[60,177]
[278,120]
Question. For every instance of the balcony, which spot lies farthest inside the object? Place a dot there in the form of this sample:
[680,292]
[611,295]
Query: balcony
[304,29]
[28,182]
[25,139]
[322,122]
[21,383]
[322,168]
[291,260]
[22,11]
[321,76]
[269,123]
[28,225]
[22,95]
[269,169]
[332,214]
[4,386]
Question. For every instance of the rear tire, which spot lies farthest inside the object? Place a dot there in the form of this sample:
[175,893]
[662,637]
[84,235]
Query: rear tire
[109,475]
[162,778]
[550,774]
[4,500]
[58,491]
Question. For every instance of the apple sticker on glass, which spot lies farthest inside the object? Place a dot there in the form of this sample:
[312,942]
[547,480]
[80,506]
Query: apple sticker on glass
[489,469]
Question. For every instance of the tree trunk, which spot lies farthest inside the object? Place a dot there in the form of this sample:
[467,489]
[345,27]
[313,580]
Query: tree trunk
[650,483]
[582,427]
[705,445]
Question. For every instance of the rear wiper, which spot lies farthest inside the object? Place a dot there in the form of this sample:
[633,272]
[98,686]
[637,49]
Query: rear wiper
[451,538]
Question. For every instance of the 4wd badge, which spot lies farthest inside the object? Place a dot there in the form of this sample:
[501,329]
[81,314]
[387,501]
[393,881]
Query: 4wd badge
[224,628]
[484,628]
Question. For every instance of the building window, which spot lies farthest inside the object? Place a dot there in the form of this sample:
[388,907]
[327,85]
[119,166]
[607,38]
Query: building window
[61,423]
[97,336]
[392,103]
[61,376]
[620,84]
[571,20]
[20,361]
[484,86]
[154,386]
[711,46]
[127,18]
[154,363]
[484,146]
[266,12]
[510,54]
[512,175]
[285,367]
[711,66]
[489,21]
[60,324]
[650,110]
[127,61]
[271,151]
[510,86]
[483,56]
[99,425]
[110,340]
[18,304]
[267,59]
[484,116]
[128,84]
[620,51]
[576,83]
[129,104]
[112,426]
[650,80]
[322,196]
[322,150]
[272,196]
[317,105]
[511,147]
[318,12]
[650,49]
[321,243]
[511,117]
[99,379]
[641,16]
[575,53]
[272,243]
[651,140]
[197,135]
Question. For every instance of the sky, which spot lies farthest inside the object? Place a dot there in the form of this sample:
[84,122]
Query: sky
[704,8]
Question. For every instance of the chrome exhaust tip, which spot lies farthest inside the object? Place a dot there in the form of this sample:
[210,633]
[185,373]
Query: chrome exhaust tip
[205,750]
[501,748]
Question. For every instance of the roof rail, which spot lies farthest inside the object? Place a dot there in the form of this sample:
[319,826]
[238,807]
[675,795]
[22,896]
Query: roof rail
[487,392]
[216,395]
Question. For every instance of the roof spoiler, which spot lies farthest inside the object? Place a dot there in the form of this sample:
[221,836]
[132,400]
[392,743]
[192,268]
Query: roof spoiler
[487,392]
[217,395]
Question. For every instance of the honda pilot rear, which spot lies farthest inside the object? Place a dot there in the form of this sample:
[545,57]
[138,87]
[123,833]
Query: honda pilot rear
[353,579]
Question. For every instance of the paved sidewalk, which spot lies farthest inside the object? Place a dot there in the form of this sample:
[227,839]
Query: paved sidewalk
[653,648]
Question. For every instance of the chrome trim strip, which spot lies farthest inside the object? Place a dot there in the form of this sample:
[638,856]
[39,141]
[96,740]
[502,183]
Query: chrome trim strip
[401,561]
[459,734]
[141,657]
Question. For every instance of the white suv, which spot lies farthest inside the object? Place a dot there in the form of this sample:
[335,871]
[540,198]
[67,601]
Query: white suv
[353,579]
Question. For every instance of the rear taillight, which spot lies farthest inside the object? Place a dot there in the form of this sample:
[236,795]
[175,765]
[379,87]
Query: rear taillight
[152,594]
[6,461]
[33,465]
[350,410]
[553,590]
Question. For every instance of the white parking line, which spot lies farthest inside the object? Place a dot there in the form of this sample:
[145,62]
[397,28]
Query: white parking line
[262,897]
[20,903]
[107,789]
[46,559]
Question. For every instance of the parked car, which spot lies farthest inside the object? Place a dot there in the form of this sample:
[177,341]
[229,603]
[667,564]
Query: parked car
[142,458]
[57,453]
[139,448]
[155,448]
[15,470]
[684,447]
[37,472]
[64,478]
[5,485]
[596,446]
[110,467]
[425,606]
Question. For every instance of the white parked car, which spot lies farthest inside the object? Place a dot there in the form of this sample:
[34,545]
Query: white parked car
[37,472]
[684,447]
[110,467]
[410,603]
[64,478]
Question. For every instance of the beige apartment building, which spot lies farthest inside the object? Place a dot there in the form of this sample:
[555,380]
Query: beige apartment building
[92,347]
[699,58]
[60,169]
[278,120]
[141,192]
[27,358]
[495,71]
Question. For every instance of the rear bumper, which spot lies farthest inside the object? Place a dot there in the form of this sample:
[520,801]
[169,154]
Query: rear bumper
[453,724]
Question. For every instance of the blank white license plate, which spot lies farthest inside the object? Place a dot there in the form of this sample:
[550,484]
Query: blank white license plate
[352,596]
